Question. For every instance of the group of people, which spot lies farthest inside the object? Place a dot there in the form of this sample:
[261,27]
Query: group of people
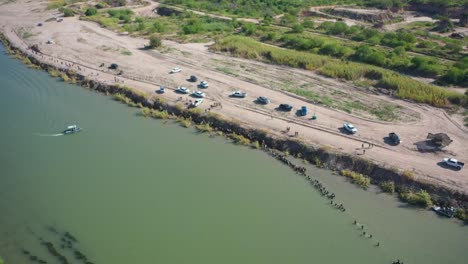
[302,171]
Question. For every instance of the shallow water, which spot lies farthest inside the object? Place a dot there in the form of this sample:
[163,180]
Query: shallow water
[136,190]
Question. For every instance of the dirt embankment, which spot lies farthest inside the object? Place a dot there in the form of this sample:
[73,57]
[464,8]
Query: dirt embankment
[315,154]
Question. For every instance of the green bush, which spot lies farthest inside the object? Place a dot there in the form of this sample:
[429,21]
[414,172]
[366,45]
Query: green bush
[154,42]
[91,11]
[387,186]
[421,198]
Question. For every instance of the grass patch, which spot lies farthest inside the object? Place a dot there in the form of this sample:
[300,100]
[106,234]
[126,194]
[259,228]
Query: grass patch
[204,128]
[126,52]
[401,86]
[239,139]
[53,73]
[54,4]
[27,34]
[356,178]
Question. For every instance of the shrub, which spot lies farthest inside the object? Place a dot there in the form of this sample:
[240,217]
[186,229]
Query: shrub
[239,139]
[461,214]
[160,114]
[387,186]
[356,178]
[185,122]
[100,5]
[256,145]
[407,174]
[64,77]
[91,11]
[204,128]
[67,12]
[154,42]
[421,198]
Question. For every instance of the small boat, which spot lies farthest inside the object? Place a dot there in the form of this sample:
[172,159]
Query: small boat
[72,129]
[197,102]
[198,94]
[238,94]
[446,211]
[183,90]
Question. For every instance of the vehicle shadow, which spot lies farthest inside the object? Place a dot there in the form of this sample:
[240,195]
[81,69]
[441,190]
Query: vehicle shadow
[344,131]
[279,109]
[445,166]
[426,146]
[257,102]
[389,141]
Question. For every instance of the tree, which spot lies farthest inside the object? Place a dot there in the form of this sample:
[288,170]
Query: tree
[155,42]
[297,28]
[91,11]
[307,23]
[444,24]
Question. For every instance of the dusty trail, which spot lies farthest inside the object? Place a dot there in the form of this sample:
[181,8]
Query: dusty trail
[88,45]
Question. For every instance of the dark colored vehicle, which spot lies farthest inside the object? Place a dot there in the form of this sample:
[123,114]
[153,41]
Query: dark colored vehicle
[285,107]
[193,78]
[395,138]
[113,66]
[303,111]
[457,35]
[263,100]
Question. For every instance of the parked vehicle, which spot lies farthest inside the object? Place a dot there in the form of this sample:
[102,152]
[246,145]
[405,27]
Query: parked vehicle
[197,102]
[285,107]
[303,111]
[203,84]
[198,94]
[457,35]
[446,211]
[183,90]
[350,128]
[161,90]
[193,78]
[238,94]
[395,138]
[263,100]
[176,69]
[454,163]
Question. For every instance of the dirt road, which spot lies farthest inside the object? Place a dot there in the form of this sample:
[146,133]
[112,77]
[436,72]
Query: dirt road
[86,45]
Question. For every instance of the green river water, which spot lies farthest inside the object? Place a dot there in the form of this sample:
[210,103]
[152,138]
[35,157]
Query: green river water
[136,190]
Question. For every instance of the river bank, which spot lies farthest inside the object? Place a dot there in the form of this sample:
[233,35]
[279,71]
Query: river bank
[318,155]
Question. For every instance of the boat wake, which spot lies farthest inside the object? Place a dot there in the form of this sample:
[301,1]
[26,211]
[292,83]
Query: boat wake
[51,135]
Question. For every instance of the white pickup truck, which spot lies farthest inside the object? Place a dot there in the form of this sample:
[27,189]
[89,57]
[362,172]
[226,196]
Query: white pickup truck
[454,163]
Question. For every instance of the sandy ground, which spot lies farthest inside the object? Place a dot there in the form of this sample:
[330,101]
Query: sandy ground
[88,45]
